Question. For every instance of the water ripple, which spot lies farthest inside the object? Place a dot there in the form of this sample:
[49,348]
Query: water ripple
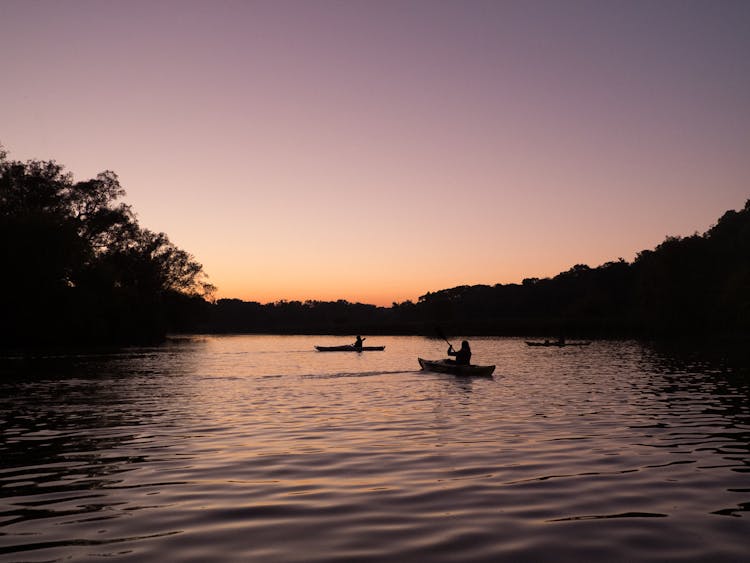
[257,448]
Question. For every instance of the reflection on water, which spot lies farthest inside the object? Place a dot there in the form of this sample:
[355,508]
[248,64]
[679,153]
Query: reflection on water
[259,448]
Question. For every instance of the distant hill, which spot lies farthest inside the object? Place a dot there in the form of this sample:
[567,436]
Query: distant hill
[697,286]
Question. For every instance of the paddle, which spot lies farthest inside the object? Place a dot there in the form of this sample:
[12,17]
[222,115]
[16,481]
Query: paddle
[441,334]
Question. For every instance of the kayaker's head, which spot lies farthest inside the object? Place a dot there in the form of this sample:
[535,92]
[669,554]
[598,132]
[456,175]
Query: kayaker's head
[465,345]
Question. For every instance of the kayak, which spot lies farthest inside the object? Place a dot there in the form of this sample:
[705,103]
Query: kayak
[349,348]
[442,366]
[560,344]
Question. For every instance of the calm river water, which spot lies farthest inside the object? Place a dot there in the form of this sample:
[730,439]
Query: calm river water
[258,448]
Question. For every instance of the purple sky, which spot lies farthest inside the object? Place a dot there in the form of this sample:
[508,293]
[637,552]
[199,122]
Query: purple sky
[373,151]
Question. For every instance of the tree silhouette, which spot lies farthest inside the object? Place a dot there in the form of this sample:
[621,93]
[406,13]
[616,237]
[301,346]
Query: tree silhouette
[696,286]
[78,267]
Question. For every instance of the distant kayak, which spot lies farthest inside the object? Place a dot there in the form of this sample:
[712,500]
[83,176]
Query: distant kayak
[349,348]
[442,366]
[558,344]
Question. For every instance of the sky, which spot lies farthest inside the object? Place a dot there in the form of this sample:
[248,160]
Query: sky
[376,150]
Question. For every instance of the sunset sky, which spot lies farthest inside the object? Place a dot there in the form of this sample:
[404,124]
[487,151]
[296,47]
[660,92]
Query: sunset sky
[376,150]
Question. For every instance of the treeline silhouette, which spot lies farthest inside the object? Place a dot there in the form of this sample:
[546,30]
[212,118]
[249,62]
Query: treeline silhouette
[77,267]
[696,286]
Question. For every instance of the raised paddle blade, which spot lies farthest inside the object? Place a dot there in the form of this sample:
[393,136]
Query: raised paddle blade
[441,334]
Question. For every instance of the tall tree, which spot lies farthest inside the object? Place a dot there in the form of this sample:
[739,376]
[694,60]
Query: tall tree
[77,266]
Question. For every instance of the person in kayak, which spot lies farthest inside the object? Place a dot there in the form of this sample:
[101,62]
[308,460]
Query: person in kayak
[358,342]
[463,356]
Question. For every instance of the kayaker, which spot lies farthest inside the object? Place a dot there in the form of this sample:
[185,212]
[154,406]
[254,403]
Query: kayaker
[358,342]
[463,356]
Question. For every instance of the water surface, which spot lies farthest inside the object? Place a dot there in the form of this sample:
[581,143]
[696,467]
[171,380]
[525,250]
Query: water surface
[258,448]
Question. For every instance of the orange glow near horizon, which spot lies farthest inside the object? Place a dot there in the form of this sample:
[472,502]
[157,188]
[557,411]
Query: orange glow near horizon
[377,151]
